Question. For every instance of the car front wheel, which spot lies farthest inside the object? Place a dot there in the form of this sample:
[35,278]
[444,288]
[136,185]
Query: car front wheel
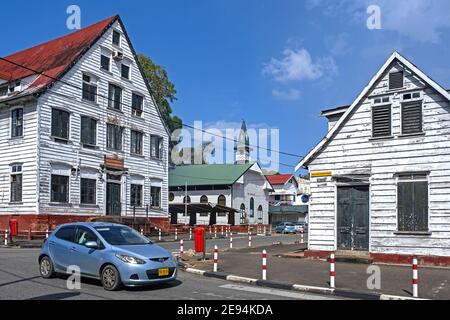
[110,278]
[46,268]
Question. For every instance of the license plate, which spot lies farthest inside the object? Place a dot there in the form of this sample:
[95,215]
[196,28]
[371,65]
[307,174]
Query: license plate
[163,272]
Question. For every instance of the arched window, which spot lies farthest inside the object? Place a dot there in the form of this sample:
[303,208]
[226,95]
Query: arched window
[187,199]
[252,207]
[221,200]
[242,211]
[260,214]
[171,196]
[203,199]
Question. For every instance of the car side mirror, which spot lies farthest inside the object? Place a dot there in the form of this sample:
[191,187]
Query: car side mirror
[91,245]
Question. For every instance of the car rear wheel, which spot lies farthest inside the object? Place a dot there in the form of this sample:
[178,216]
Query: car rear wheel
[111,278]
[46,268]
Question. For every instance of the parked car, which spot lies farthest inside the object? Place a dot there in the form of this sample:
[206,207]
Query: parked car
[113,253]
[285,227]
[301,227]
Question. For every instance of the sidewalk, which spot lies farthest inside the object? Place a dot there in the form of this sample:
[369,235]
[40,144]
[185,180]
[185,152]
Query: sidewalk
[434,283]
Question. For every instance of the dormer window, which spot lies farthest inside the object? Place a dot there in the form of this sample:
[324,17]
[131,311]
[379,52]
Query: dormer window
[116,38]
[396,80]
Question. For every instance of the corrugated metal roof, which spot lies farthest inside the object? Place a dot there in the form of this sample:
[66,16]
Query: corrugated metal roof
[208,174]
[52,58]
[278,179]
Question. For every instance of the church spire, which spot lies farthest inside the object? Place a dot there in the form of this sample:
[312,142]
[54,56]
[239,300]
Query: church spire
[242,147]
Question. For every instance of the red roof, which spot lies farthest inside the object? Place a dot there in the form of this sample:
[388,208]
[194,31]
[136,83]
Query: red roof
[52,58]
[278,179]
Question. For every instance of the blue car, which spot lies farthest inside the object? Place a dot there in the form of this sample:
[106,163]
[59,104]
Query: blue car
[285,227]
[113,253]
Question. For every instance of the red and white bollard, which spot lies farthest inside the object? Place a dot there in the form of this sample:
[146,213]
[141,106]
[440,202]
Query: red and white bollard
[142,231]
[176,234]
[264,265]
[231,241]
[216,258]
[159,235]
[215,232]
[210,230]
[249,239]
[181,246]
[265,233]
[190,233]
[46,234]
[301,237]
[415,279]
[221,231]
[332,271]
[6,237]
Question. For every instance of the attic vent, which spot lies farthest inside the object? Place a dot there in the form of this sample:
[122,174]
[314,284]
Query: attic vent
[412,118]
[381,121]
[396,80]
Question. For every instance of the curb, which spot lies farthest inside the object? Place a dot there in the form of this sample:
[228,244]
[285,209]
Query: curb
[296,287]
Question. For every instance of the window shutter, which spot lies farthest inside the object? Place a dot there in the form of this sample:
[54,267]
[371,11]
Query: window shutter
[405,206]
[381,121]
[396,80]
[420,200]
[412,118]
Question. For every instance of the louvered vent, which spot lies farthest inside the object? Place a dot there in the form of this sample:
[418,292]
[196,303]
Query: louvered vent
[381,121]
[396,80]
[412,118]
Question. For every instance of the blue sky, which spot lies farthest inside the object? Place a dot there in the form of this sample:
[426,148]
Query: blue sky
[275,63]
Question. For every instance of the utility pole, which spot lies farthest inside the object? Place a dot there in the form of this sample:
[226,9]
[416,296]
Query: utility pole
[185,200]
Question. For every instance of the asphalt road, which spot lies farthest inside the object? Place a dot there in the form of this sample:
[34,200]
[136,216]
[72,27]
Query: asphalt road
[20,280]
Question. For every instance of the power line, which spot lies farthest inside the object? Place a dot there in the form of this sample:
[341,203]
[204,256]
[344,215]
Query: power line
[236,141]
[127,105]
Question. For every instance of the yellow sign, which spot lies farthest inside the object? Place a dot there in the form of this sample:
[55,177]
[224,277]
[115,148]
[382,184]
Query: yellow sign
[319,174]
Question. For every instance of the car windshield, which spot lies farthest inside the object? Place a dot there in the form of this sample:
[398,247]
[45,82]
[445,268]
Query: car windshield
[121,236]
[289,225]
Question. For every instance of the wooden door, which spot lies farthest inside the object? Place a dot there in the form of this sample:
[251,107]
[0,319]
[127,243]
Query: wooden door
[113,204]
[353,218]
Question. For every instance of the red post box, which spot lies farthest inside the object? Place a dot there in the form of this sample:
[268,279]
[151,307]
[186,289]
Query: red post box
[14,227]
[199,239]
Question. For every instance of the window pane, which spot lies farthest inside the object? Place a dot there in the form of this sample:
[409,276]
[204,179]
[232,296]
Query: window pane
[88,191]
[59,189]
[114,137]
[60,124]
[156,197]
[396,80]
[116,38]
[84,235]
[88,131]
[66,233]
[105,62]
[17,123]
[413,206]
[16,188]
[125,71]
[114,97]
[136,195]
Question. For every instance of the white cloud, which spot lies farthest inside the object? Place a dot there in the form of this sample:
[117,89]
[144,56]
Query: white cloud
[289,95]
[420,20]
[297,64]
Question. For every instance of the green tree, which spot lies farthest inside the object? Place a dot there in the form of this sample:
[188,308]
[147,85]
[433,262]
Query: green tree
[163,90]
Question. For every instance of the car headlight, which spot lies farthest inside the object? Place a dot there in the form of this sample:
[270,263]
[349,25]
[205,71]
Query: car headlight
[129,259]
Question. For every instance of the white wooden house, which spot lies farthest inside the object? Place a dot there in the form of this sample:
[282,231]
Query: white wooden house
[80,134]
[380,178]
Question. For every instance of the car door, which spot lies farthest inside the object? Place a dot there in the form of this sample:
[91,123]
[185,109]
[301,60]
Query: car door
[89,260]
[60,247]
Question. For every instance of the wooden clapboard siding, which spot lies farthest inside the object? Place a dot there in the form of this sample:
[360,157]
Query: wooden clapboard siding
[353,149]
[18,150]
[69,98]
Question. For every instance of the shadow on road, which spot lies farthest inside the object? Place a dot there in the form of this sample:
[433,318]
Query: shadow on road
[56,296]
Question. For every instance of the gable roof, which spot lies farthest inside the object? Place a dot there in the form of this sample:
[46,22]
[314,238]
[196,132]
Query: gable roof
[207,174]
[394,57]
[52,59]
[279,179]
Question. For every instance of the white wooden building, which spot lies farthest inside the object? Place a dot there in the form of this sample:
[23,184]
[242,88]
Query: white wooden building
[380,178]
[80,134]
